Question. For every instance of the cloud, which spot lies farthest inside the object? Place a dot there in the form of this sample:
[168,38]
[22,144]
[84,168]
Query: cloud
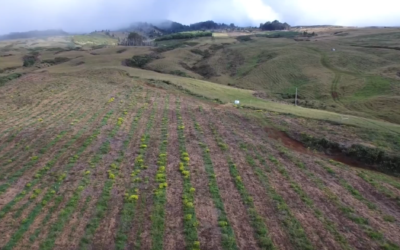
[88,15]
[338,12]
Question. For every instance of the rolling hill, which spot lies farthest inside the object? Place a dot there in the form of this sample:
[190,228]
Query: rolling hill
[95,154]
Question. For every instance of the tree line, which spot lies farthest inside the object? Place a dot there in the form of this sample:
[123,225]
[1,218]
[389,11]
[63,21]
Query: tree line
[184,35]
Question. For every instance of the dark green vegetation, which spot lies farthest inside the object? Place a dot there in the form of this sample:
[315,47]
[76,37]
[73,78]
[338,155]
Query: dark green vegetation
[10,77]
[184,35]
[275,25]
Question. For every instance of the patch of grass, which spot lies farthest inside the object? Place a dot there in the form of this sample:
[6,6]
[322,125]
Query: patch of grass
[10,77]
[279,34]
[94,40]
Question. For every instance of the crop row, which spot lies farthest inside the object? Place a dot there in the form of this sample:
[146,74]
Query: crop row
[190,222]
[52,193]
[131,194]
[158,213]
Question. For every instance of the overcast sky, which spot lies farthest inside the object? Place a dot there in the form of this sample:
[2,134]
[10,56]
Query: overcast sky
[88,15]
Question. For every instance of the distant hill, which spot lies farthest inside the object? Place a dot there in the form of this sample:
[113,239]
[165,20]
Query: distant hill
[168,27]
[33,34]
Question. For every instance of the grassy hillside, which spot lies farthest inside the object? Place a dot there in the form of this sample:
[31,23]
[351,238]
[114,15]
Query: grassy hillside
[98,155]
[354,79]
[96,39]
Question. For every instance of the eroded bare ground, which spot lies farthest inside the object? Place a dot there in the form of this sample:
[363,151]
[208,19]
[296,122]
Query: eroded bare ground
[335,206]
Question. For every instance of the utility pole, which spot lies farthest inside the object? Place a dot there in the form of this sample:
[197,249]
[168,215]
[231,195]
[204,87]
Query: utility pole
[296,98]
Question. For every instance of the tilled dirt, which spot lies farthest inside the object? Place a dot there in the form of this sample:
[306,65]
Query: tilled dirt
[75,176]
[208,230]
[146,188]
[235,209]
[173,235]
[264,205]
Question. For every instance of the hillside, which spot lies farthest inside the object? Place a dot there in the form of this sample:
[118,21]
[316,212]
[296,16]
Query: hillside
[96,154]
[33,34]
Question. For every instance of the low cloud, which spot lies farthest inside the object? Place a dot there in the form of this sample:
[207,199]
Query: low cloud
[88,15]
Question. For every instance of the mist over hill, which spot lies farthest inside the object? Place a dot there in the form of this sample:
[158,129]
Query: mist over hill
[33,34]
[153,30]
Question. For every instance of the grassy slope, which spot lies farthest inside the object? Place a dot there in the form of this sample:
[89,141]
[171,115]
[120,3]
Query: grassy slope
[271,66]
[277,180]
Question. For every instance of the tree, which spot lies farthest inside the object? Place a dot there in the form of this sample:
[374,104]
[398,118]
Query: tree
[135,39]
[275,25]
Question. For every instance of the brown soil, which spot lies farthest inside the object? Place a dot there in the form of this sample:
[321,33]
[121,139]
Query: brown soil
[319,200]
[75,228]
[173,234]
[20,184]
[72,183]
[264,205]
[146,189]
[299,147]
[329,211]
[235,209]
[121,185]
[104,236]
[208,230]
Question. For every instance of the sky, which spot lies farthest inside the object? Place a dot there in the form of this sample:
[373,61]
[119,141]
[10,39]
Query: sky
[89,15]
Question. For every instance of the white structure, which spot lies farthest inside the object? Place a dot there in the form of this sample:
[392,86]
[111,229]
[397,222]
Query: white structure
[237,102]
[333,49]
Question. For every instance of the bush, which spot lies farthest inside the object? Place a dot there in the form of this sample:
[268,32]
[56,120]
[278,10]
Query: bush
[167,48]
[243,38]
[31,59]
[139,61]
[5,79]
[56,60]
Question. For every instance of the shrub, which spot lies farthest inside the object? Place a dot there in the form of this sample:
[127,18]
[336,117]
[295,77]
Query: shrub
[5,79]
[31,59]
[56,60]
[243,38]
[139,61]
